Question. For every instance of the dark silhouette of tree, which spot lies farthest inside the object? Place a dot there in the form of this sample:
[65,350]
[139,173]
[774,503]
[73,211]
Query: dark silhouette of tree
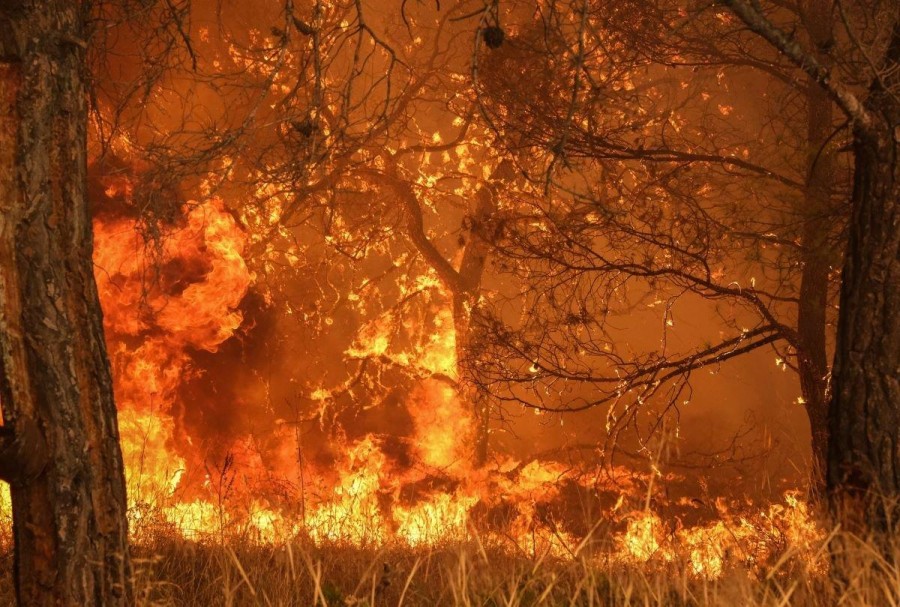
[863,482]
[603,115]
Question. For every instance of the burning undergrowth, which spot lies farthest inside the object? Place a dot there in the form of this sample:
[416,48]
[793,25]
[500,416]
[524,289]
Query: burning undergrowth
[217,443]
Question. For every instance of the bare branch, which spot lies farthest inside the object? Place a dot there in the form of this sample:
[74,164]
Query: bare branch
[845,99]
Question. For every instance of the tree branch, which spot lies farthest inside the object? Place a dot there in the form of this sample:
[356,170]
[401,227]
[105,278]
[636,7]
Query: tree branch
[760,25]
[415,228]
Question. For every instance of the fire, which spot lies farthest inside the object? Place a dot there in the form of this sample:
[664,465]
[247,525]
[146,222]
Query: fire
[188,313]
[441,426]
[442,518]
[353,515]
[162,304]
[708,549]
[156,310]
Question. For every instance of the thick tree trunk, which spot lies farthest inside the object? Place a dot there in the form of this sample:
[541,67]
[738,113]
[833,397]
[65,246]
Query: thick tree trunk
[70,517]
[469,389]
[864,413]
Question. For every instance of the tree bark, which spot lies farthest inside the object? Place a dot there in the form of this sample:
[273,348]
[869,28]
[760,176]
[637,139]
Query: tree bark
[465,301]
[70,521]
[812,361]
[471,270]
[464,286]
[864,413]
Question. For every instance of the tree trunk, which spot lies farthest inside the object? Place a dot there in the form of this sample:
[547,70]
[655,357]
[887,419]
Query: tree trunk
[864,413]
[464,286]
[465,302]
[469,389]
[69,517]
[812,361]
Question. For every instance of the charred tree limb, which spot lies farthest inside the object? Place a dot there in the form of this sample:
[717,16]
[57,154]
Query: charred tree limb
[467,279]
[415,225]
[613,151]
[646,375]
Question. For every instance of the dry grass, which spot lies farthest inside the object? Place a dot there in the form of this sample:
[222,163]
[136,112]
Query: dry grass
[299,573]
[173,571]
[177,572]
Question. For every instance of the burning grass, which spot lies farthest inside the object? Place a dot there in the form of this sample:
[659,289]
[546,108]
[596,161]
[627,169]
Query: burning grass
[775,557]
[477,574]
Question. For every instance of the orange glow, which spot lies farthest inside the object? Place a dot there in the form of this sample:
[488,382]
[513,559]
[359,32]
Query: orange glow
[163,305]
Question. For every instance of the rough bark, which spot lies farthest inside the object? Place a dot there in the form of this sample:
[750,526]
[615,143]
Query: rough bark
[864,413]
[69,522]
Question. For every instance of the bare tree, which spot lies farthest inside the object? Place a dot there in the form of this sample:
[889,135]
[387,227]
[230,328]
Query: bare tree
[848,58]
[322,158]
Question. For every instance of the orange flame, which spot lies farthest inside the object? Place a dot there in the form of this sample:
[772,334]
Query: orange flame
[162,304]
